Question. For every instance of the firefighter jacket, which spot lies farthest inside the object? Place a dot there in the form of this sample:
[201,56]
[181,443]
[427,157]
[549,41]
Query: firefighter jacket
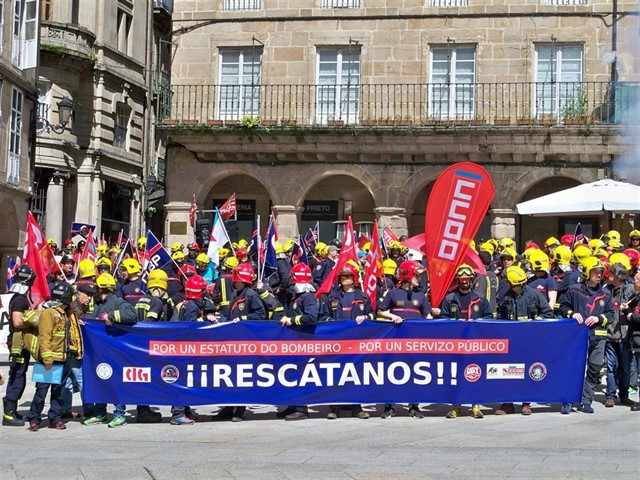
[529,305]
[406,303]
[222,291]
[469,306]
[271,304]
[340,305]
[304,309]
[118,310]
[131,291]
[58,336]
[587,301]
[153,309]
[246,304]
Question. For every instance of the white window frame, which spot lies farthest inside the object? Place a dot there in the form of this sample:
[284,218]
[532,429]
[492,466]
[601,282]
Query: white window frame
[238,111]
[240,5]
[15,136]
[453,111]
[122,123]
[448,3]
[337,112]
[1,25]
[340,4]
[44,100]
[26,18]
[560,87]
[124,27]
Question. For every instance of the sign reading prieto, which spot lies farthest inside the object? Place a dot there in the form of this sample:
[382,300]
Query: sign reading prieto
[320,210]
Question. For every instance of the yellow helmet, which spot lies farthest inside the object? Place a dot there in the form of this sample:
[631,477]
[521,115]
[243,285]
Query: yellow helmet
[551,242]
[242,243]
[465,271]
[114,251]
[288,246]
[101,250]
[615,245]
[278,247]
[366,247]
[325,250]
[86,268]
[105,281]
[131,265]
[487,247]
[601,252]
[493,242]
[516,276]
[613,235]
[158,279]
[634,233]
[395,244]
[526,255]
[620,258]
[472,244]
[389,267]
[595,244]
[506,242]
[224,252]
[142,242]
[319,247]
[103,261]
[202,259]
[589,264]
[580,253]
[177,247]
[562,255]
[509,252]
[177,256]
[230,263]
[539,261]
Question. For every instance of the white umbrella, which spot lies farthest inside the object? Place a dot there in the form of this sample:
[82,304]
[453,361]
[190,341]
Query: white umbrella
[589,198]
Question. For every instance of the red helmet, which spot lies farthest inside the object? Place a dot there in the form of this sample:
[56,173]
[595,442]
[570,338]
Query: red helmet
[243,273]
[193,246]
[187,270]
[567,240]
[195,287]
[408,269]
[301,273]
[241,253]
[634,256]
[350,269]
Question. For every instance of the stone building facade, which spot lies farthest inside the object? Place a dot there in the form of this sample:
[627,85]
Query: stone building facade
[317,109]
[110,60]
[19,28]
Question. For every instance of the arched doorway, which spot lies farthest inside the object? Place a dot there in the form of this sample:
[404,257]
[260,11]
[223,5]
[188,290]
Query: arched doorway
[541,228]
[252,199]
[333,199]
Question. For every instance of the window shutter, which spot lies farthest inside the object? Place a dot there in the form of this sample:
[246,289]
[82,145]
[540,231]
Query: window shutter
[29,44]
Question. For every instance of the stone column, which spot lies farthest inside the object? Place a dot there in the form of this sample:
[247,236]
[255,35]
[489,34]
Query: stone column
[287,221]
[395,218]
[503,223]
[88,204]
[55,206]
[176,223]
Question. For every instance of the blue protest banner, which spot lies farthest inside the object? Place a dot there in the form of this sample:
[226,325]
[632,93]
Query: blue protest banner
[427,361]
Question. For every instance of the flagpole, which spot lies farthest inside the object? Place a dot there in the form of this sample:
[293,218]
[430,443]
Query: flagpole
[259,240]
[261,273]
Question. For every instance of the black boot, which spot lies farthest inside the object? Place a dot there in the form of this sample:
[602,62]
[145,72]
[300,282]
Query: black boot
[146,415]
[9,417]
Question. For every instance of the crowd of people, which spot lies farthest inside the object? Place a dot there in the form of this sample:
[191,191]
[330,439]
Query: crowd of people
[595,282]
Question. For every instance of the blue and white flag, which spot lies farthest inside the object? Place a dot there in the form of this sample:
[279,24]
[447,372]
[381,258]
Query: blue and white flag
[299,253]
[155,256]
[11,271]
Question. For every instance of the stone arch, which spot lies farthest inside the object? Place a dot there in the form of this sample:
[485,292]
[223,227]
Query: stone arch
[416,184]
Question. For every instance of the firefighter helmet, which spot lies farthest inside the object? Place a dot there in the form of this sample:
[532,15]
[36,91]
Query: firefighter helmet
[507,242]
[25,275]
[589,264]
[552,242]
[615,245]
[620,258]
[103,265]
[509,252]
[86,268]
[595,244]
[224,252]
[142,243]
[230,263]
[407,269]
[465,271]
[581,253]
[349,269]
[516,276]
[487,247]
[241,253]
[131,265]
[176,247]
[63,293]
[202,259]
[634,234]
[242,243]
[562,255]
[300,273]
[319,248]
[634,256]
[195,287]
[101,250]
[389,266]
[243,273]
[613,235]
[288,246]
[539,261]
[187,270]
[158,279]
[105,281]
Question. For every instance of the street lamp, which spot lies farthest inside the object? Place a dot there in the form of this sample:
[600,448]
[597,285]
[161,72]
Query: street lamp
[150,184]
[65,110]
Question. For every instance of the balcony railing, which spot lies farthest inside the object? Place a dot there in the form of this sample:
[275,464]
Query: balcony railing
[529,103]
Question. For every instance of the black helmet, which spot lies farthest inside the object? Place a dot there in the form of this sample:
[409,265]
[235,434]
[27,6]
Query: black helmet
[63,293]
[337,243]
[25,275]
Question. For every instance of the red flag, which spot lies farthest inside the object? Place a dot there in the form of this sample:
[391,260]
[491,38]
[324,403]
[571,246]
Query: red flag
[374,269]
[228,210]
[457,205]
[388,236]
[363,240]
[89,252]
[192,211]
[33,246]
[347,253]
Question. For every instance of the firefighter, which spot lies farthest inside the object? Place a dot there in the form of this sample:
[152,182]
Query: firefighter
[130,289]
[19,356]
[330,261]
[521,303]
[103,265]
[110,308]
[303,310]
[395,252]
[318,255]
[142,244]
[193,249]
[550,245]
[508,257]
[86,272]
[176,300]
[634,240]
[152,307]
[245,305]
[541,280]
[67,263]
[347,302]
[223,288]
[634,259]
[280,281]
[59,341]
[589,304]
[465,304]
[404,302]
[101,252]
[177,247]
[204,268]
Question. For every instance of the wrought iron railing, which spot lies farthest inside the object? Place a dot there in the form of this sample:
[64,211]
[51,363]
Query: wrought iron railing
[528,103]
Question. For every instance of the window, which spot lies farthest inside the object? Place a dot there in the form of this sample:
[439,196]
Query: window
[340,3]
[452,90]
[566,2]
[1,24]
[338,89]
[558,79]
[448,3]
[239,83]
[124,30]
[47,10]
[15,136]
[44,101]
[121,127]
[241,5]
[25,33]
